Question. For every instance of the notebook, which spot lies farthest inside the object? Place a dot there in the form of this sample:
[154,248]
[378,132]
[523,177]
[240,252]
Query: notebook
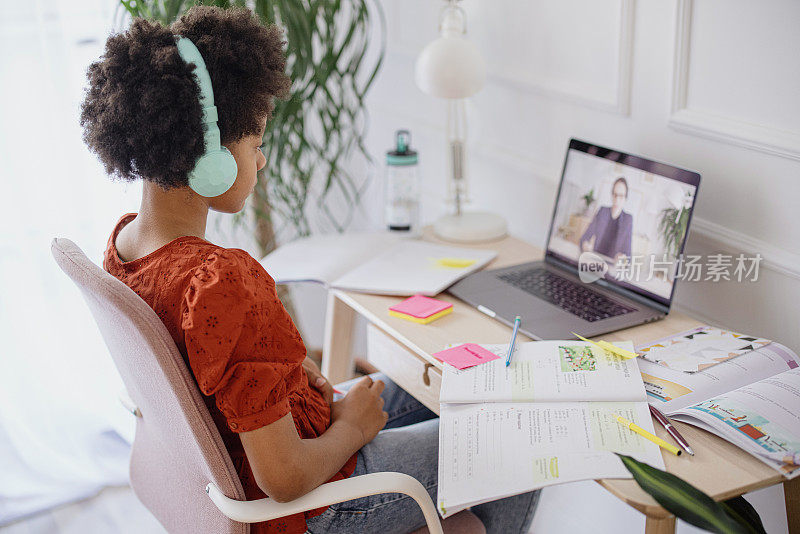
[380,263]
[700,348]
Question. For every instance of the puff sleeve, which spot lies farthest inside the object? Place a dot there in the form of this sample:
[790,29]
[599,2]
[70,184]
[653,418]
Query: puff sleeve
[237,342]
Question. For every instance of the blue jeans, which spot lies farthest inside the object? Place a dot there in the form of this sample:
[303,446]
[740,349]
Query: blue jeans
[410,444]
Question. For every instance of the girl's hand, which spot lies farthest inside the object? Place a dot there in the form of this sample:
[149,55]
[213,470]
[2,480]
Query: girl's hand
[362,409]
[317,381]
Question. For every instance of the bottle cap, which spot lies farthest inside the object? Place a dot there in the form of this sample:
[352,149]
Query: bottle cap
[402,154]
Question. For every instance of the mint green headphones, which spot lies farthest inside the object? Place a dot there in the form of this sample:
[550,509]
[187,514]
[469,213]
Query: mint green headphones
[215,171]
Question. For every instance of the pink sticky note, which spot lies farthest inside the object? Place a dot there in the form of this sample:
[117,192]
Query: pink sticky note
[465,355]
[421,306]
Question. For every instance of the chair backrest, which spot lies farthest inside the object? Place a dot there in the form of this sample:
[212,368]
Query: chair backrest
[177,449]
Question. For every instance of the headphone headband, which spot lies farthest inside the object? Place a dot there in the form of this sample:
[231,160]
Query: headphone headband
[216,170]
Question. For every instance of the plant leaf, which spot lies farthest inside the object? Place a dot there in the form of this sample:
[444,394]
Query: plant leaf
[684,500]
[743,512]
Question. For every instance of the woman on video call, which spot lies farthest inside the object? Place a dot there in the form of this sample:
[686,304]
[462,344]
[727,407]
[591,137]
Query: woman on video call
[611,230]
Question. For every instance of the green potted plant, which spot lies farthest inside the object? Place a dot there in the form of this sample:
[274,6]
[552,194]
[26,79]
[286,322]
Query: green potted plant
[588,199]
[672,225]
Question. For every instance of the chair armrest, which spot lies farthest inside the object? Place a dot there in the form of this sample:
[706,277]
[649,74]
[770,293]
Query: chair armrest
[327,494]
[128,403]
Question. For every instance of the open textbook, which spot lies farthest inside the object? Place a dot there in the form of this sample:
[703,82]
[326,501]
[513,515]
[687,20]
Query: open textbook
[377,262]
[548,418]
[752,401]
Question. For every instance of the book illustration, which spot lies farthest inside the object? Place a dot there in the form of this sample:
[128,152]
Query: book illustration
[700,348]
[577,358]
[663,390]
[756,427]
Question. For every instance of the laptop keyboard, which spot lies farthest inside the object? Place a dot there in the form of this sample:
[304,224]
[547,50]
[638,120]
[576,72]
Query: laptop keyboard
[570,296]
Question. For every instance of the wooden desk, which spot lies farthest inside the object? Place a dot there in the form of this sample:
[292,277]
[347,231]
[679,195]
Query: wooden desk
[718,468]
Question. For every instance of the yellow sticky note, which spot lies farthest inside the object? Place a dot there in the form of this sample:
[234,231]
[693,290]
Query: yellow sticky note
[455,263]
[613,349]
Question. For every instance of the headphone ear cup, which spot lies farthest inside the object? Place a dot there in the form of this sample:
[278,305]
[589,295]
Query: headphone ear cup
[214,173]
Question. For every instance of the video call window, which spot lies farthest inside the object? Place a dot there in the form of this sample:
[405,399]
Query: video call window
[623,214]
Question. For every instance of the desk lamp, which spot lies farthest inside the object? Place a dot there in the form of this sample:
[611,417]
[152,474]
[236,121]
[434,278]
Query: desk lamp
[451,67]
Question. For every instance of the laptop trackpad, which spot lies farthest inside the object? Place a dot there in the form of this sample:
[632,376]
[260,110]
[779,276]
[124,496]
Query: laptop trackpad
[537,315]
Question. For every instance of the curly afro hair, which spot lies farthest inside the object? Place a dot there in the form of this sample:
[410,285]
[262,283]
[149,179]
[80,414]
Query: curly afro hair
[141,114]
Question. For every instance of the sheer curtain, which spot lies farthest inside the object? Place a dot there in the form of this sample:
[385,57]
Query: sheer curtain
[63,434]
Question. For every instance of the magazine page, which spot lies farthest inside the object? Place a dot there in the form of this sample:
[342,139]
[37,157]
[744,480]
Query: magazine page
[546,371]
[670,390]
[762,418]
[495,450]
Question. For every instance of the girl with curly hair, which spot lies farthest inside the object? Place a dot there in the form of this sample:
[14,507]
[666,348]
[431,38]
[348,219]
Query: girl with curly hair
[146,117]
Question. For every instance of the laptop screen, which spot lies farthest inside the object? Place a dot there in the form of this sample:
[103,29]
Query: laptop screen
[622,218]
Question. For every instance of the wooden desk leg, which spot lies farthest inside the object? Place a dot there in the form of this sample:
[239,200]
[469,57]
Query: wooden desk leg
[655,525]
[791,495]
[337,349]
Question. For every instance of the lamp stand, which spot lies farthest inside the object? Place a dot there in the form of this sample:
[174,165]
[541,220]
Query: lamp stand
[464,227]
[470,227]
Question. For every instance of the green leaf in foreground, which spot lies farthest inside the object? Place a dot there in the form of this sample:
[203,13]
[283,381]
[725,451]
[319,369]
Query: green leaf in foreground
[690,504]
[741,510]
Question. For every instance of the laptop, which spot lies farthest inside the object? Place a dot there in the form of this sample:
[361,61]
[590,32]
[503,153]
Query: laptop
[619,223]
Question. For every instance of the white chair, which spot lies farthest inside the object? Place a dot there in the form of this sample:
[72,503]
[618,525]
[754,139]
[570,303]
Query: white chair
[177,450]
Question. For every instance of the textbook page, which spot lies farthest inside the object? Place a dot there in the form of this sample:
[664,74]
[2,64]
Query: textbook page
[762,418]
[413,266]
[670,390]
[545,371]
[324,258]
[495,450]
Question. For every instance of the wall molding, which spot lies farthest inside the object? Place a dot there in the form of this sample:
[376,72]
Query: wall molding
[521,79]
[761,137]
[620,104]
[726,240]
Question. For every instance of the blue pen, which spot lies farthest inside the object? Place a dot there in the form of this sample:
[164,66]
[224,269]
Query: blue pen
[513,339]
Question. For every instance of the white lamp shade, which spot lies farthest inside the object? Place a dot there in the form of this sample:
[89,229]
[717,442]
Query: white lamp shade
[450,67]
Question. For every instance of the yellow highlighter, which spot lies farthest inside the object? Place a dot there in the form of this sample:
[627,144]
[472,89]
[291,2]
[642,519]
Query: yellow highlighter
[647,435]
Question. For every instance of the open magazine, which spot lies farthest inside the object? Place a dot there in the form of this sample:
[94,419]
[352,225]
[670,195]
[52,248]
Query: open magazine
[548,418]
[752,401]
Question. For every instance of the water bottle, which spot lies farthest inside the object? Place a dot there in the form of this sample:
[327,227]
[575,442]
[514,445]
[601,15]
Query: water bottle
[402,186]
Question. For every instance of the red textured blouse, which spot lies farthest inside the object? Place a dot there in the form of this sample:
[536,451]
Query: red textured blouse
[221,308]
